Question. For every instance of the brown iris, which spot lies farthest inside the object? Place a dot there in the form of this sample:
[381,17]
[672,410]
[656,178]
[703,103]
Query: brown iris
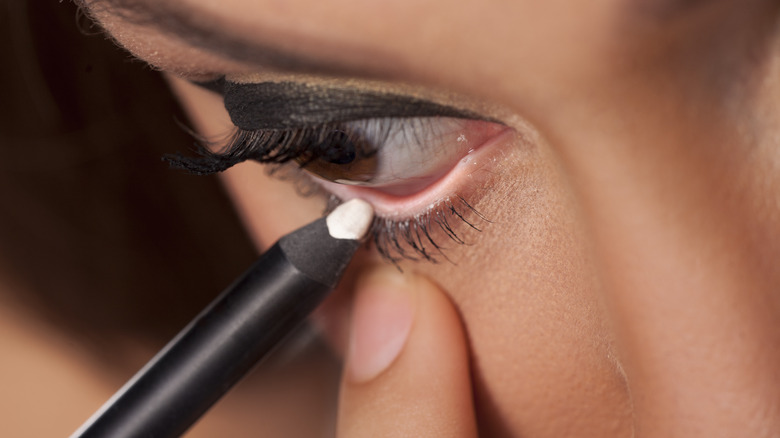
[341,157]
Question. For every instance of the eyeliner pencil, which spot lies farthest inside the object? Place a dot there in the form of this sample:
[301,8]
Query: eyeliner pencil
[235,331]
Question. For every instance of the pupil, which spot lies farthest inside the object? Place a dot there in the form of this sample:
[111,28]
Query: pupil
[339,149]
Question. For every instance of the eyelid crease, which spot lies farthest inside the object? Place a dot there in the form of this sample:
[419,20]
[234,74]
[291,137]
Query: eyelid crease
[215,85]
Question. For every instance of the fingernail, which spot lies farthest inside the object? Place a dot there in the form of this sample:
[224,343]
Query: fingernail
[381,321]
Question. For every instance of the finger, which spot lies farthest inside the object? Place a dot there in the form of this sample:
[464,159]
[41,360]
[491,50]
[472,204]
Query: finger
[407,371]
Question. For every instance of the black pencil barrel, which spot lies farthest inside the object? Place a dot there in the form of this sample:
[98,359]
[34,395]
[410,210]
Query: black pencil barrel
[212,353]
[225,341]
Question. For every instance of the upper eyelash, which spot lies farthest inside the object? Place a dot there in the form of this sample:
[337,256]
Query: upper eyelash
[279,146]
[394,239]
[276,146]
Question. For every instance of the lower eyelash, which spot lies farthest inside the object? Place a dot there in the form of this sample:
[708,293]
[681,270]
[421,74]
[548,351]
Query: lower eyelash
[413,238]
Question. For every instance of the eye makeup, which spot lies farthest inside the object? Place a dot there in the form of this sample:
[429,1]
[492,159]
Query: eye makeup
[412,164]
[289,105]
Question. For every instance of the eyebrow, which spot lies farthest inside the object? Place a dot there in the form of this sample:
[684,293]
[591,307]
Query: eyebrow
[276,105]
[197,29]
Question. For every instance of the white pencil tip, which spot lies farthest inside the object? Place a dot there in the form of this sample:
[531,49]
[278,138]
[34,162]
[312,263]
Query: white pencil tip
[350,220]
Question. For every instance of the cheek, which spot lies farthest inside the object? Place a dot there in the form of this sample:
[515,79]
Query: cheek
[530,304]
[269,208]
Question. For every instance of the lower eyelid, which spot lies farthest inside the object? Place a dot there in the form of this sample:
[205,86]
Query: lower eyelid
[468,174]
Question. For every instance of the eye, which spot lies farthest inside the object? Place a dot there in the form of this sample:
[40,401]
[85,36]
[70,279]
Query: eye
[395,156]
[416,161]
[342,157]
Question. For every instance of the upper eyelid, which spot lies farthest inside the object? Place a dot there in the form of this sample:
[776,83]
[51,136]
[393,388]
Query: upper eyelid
[292,105]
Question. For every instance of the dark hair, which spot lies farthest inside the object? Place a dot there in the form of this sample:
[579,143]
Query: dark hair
[98,234]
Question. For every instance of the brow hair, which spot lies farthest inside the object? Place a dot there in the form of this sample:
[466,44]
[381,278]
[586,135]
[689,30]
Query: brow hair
[138,11]
[197,31]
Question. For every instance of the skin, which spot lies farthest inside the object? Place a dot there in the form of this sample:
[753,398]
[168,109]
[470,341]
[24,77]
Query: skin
[627,284]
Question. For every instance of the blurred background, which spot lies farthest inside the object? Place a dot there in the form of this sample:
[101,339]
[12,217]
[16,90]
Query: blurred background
[93,225]
[105,253]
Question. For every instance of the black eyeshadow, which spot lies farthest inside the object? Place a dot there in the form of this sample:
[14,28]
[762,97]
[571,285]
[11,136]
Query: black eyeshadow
[291,105]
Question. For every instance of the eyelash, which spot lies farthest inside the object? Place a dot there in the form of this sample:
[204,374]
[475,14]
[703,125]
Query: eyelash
[395,240]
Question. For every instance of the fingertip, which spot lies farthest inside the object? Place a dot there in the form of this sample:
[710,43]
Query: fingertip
[407,371]
[382,318]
